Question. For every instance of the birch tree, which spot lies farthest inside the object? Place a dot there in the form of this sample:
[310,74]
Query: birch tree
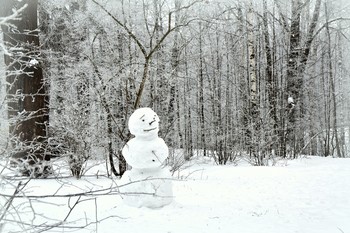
[254,116]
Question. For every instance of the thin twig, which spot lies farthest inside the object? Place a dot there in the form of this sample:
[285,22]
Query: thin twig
[9,202]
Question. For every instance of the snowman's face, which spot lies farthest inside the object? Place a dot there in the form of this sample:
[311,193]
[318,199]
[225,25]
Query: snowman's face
[144,122]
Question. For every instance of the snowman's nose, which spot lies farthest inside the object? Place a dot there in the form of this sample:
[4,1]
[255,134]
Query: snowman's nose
[152,122]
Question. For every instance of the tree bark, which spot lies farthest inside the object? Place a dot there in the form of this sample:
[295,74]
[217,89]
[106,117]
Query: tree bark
[332,87]
[297,61]
[294,81]
[201,129]
[254,122]
[270,81]
[27,96]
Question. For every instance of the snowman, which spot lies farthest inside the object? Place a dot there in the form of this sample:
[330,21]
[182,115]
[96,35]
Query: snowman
[148,183]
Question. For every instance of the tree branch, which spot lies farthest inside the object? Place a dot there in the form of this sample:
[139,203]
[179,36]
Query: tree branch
[4,20]
[148,56]
[9,202]
[130,33]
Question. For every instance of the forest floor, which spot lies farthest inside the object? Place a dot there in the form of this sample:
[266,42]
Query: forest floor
[306,195]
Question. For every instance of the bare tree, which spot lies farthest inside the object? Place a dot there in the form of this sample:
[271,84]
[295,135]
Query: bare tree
[148,53]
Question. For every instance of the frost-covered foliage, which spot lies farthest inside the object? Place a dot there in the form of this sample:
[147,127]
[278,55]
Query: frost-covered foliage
[196,80]
[215,72]
[75,112]
[94,67]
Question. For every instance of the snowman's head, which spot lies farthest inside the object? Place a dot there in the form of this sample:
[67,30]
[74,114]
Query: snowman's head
[144,122]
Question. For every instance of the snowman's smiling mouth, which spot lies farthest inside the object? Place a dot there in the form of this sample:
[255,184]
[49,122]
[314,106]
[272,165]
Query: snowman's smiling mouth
[147,130]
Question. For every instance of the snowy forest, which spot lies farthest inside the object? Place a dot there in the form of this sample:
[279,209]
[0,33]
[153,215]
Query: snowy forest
[231,80]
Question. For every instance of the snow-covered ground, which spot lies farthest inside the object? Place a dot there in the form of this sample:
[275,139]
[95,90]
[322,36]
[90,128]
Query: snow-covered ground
[305,195]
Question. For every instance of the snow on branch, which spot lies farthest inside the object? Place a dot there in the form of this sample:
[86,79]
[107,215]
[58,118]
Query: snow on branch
[5,21]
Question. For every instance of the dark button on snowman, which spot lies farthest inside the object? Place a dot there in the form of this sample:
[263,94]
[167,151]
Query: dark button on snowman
[148,183]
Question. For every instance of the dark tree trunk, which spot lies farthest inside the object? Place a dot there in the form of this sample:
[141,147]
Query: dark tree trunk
[297,61]
[271,82]
[294,80]
[26,91]
[201,95]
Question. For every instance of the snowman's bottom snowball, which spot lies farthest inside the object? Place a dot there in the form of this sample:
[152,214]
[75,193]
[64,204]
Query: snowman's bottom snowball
[146,188]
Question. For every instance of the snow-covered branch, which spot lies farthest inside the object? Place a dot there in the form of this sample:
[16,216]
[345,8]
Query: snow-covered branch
[16,15]
[6,21]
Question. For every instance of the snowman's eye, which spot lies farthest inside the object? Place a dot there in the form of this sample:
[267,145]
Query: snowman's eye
[143,120]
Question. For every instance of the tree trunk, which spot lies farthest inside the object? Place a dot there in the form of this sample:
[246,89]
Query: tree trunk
[297,61]
[332,86]
[174,86]
[253,118]
[26,91]
[326,106]
[202,128]
[294,80]
[188,114]
[270,82]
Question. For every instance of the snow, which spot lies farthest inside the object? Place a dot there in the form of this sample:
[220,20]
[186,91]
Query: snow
[150,188]
[305,195]
[290,100]
[33,62]
[144,123]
